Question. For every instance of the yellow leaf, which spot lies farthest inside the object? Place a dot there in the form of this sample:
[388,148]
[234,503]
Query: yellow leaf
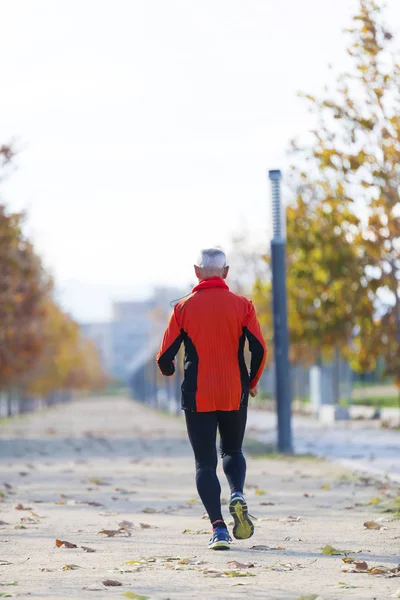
[374,500]
[260,492]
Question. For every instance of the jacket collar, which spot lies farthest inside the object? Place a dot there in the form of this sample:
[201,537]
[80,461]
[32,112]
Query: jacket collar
[210,282]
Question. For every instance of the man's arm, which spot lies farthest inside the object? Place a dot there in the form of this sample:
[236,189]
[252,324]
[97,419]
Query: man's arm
[169,347]
[257,346]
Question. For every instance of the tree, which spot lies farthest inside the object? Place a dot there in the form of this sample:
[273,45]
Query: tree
[41,348]
[357,145]
[24,287]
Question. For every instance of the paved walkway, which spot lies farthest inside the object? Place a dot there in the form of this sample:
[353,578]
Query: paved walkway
[360,445]
[116,480]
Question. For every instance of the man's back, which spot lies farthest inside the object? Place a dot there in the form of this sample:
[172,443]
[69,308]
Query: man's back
[214,323]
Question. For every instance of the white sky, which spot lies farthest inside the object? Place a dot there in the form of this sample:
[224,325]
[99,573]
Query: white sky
[147,126]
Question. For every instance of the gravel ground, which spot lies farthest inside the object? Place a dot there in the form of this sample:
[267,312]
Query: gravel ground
[72,472]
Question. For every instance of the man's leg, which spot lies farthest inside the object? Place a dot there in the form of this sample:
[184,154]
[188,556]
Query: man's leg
[202,432]
[232,425]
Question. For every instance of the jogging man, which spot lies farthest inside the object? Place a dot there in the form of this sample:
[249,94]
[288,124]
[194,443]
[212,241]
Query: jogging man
[213,323]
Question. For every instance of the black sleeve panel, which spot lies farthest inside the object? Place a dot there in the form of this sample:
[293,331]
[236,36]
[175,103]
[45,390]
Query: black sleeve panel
[165,360]
[257,355]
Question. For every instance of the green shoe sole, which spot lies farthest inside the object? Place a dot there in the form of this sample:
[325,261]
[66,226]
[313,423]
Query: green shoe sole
[219,546]
[243,527]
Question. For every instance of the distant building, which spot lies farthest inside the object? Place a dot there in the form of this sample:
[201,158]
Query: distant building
[134,328]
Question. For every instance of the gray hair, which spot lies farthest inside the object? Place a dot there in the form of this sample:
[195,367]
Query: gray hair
[212,258]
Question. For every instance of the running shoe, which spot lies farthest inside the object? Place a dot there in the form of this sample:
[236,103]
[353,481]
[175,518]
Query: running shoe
[243,527]
[220,539]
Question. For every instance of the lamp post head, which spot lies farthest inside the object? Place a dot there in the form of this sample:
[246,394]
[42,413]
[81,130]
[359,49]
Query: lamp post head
[275,175]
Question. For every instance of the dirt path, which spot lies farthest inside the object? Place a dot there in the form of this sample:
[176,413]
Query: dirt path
[73,471]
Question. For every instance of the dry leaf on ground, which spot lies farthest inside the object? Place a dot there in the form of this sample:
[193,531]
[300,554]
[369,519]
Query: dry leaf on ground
[235,573]
[70,567]
[335,552]
[22,507]
[111,583]
[196,532]
[114,532]
[60,543]
[373,525]
[87,549]
[238,565]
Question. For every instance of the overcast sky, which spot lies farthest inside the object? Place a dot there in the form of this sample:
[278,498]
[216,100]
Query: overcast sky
[146,127]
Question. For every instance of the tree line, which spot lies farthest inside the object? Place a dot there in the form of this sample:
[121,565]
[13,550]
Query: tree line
[41,347]
[343,226]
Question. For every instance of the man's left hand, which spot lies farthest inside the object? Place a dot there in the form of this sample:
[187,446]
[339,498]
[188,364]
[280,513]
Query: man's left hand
[254,391]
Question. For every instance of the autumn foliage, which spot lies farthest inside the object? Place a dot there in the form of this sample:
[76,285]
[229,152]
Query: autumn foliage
[41,348]
[343,228]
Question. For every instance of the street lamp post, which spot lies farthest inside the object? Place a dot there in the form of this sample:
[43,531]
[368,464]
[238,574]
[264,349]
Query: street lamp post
[279,307]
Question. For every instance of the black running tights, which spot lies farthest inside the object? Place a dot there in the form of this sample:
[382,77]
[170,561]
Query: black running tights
[202,430]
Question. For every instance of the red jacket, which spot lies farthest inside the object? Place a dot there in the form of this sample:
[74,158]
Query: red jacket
[213,323]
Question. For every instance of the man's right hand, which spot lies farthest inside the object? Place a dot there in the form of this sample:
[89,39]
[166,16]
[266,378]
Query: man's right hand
[254,391]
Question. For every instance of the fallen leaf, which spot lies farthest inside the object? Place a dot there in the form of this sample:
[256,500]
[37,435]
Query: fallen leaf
[126,525]
[267,503]
[133,596]
[111,583]
[5,595]
[375,500]
[239,574]
[145,526]
[196,532]
[266,548]
[334,552]
[46,570]
[346,586]
[114,532]
[87,549]
[291,519]
[311,597]
[60,543]
[98,481]
[213,572]
[4,583]
[239,565]
[373,525]
[93,503]
[92,588]
[260,492]
[22,507]
[71,567]
[326,486]
[149,511]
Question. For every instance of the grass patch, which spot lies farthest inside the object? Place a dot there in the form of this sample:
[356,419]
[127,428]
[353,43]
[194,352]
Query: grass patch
[374,401]
[257,449]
